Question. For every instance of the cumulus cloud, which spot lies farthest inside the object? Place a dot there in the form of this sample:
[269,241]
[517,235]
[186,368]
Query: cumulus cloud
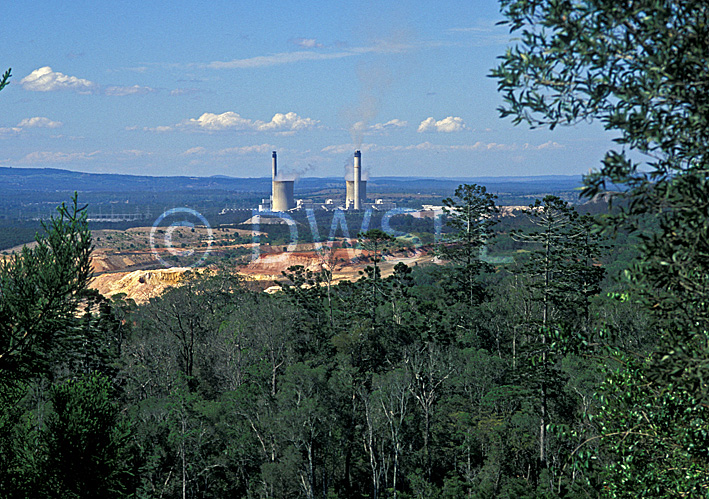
[46,80]
[288,122]
[447,125]
[39,122]
[360,128]
[224,121]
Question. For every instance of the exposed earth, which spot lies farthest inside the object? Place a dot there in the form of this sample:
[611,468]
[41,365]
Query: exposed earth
[124,261]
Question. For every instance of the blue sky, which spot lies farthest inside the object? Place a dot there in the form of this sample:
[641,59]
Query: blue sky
[196,88]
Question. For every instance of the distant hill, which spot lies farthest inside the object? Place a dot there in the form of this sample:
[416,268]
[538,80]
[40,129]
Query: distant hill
[54,180]
[57,180]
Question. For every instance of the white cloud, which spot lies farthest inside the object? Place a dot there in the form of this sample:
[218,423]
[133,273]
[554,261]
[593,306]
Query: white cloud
[485,33]
[449,124]
[546,145]
[277,59]
[135,153]
[389,125]
[224,121]
[39,122]
[349,148]
[254,149]
[360,128]
[288,122]
[117,91]
[57,157]
[474,29]
[428,146]
[183,91]
[158,129]
[46,80]
[194,151]
[9,131]
[308,43]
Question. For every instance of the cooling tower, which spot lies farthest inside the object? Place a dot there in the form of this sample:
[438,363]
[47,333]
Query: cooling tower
[351,192]
[283,199]
[357,180]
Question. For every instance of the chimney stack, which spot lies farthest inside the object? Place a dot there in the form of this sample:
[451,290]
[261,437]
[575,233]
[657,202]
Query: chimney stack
[274,169]
[357,179]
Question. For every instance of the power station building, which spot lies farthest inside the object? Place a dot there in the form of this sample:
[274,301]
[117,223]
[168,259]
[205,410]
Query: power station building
[282,197]
[349,200]
[356,190]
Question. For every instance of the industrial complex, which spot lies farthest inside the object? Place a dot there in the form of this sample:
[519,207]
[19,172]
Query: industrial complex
[282,195]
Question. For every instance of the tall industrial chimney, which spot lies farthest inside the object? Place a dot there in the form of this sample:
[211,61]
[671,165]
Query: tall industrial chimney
[357,180]
[274,173]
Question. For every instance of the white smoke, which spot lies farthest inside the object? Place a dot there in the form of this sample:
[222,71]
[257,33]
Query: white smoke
[294,172]
[376,77]
[349,170]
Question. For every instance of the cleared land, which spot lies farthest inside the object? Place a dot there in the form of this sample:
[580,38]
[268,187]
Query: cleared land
[124,261]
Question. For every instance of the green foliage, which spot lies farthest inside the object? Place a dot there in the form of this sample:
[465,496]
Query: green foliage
[5,80]
[87,442]
[469,221]
[562,267]
[655,439]
[42,288]
[636,66]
